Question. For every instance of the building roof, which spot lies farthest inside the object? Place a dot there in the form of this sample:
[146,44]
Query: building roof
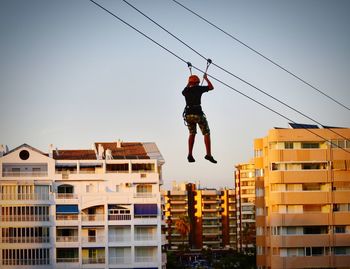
[118,150]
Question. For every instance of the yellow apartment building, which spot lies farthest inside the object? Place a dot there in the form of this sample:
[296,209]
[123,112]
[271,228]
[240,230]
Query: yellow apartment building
[303,198]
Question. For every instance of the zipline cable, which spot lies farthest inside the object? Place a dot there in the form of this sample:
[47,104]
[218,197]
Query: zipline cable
[263,56]
[216,79]
[225,70]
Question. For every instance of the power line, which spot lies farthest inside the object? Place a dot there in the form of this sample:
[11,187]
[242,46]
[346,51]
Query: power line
[263,56]
[225,70]
[218,80]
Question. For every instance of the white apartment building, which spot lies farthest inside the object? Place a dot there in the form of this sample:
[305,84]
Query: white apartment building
[87,208]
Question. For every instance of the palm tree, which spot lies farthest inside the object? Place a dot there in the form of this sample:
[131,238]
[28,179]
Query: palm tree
[182,225]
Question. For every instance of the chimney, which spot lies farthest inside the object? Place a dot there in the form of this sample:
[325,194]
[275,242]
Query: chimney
[51,150]
[100,152]
[119,143]
[2,150]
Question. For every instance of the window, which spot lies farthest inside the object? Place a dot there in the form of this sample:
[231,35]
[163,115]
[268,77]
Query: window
[259,172]
[117,188]
[310,145]
[288,145]
[342,250]
[340,229]
[316,230]
[258,153]
[311,186]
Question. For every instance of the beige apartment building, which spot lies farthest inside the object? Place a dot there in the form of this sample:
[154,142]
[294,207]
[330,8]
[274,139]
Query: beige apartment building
[245,206]
[303,198]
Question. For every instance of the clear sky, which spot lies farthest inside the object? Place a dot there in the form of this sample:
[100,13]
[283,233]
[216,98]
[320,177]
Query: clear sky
[71,74]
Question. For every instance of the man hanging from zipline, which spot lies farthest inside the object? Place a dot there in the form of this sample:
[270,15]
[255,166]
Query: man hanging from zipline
[193,114]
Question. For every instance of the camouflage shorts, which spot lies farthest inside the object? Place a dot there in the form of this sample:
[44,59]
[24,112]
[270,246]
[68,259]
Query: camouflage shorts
[192,120]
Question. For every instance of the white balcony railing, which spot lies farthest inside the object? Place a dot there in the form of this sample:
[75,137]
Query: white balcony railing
[67,238]
[144,195]
[66,196]
[67,260]
[24,218]
[24,174]
[119,238]
[93,217]
[25,196]
[25,261]
[16,240]
[120,260]
[93,260]
[67,217]
[93,239]
[145,259]
[145,237]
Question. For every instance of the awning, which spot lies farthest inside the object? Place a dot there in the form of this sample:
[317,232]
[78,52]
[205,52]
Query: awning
[145,209]
[67,209]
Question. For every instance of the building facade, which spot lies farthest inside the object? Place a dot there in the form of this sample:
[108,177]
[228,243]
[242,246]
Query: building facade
[210,214]
[89,208]
[245,206]
[303,198]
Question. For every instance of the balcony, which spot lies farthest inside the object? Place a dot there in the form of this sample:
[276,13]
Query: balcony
[66,196]
[100,260]
[93,217]
[93,241]
[120,260]
[144,195]
[25,240]
[67,260]
[119,217]
[67,239]
[119,239]
[145,259]
[22,218]
[25,197]
[25,174]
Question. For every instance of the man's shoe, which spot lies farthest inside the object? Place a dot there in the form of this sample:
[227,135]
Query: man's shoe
[210,159]
[190,159]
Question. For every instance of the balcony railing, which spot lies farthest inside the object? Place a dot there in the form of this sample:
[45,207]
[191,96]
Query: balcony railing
[16,240]
[67,238]
[119,217]
[67,217]
[93,217]
[145,237]
[25,261]
[93,260]
[66,196]
[144,259]
[120,260]
[25,218]
[25,196]
[93,239]
[24,174]
[119,238]
[144,195]
[67,260]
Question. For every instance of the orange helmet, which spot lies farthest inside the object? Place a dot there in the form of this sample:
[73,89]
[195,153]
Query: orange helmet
[193,79]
